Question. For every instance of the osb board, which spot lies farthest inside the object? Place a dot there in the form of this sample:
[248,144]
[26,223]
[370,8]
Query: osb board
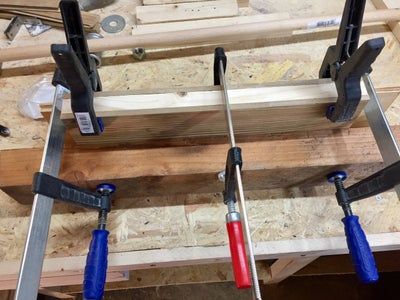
[293,59]
[200,222]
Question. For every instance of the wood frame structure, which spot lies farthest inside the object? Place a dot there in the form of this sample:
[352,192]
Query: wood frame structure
[290,254]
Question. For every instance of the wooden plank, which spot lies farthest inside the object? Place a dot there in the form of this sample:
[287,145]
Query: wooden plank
[186,11]
[383,4]
[285,267]
[210,23]
[175,257]
[10,282]
[136,119]
[241,3]
[280,162]
[55,294]
[30,3]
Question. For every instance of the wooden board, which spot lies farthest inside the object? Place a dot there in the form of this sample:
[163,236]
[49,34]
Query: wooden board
[186,11]
[241,3]
[137,119]
[208,23]
[283,162]
[18,4]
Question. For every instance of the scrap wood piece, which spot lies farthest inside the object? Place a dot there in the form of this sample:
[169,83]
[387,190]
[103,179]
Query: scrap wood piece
[285,161]
[186,11]
[26,4]
[136,119]
[90,21]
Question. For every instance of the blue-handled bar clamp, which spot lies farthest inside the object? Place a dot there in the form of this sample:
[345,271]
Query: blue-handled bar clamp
[96,262]
[360,251]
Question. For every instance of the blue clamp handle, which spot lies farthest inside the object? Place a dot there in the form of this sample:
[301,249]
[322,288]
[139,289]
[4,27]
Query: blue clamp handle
[360,252]
[96,266]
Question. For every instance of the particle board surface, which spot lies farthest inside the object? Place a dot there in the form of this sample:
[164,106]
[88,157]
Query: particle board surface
[186,11]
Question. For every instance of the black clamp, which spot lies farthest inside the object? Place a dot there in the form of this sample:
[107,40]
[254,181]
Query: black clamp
[55,188]
[345,64]
[77,69]
[233,159]
[219,55]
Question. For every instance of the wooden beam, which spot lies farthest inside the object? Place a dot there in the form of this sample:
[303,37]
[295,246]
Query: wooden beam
[280,162]
[186,11]
[222,34]
[384,4]
[285,267]
[143,118]
[241,3]
[211,23]
[159,258]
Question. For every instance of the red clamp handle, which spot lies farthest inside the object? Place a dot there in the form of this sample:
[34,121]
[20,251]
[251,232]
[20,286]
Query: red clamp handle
[238,253]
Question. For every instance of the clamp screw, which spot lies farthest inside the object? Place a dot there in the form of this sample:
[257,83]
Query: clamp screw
[221,176]
[106,188]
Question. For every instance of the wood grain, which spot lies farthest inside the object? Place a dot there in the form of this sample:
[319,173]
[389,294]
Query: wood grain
[186,11]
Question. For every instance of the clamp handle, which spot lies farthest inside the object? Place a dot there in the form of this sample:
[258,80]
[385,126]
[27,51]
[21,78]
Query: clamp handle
[360,251]
[219,55]
[96,266]
[237,248]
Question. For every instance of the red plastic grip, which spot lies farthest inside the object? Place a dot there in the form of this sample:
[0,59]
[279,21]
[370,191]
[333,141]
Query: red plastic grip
[238,253]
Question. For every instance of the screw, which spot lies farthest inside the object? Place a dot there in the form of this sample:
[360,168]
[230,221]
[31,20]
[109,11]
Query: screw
[139,53]
[221,176]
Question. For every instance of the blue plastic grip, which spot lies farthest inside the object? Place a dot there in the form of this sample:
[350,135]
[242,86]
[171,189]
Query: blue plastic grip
[96,266]
[362,257]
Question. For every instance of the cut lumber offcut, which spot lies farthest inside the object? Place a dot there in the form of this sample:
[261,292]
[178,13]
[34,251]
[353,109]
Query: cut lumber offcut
[138,119]
[390,4]
[214,35]
[286,161]
[90,21]
[241,3]
[186,11]
[25,4]
[209,23]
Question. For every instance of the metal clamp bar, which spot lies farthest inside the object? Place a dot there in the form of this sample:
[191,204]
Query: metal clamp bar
[242,203]
[35,245]
[380,127]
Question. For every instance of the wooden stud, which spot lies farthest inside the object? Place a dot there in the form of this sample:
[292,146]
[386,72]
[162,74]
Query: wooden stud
[285,267]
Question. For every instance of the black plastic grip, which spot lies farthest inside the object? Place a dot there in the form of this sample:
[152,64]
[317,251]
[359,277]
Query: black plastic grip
[233,159]
[218,56]
[378,182]
[80,87]
[55,188]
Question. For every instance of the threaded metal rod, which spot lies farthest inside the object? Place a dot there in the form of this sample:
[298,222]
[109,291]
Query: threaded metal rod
[242,204]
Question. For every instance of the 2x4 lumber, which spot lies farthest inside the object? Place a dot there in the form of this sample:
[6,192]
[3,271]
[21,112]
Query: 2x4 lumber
[186,11]
[174,257]
[55,294]
[215,35]
[390,4]
[277,163]
[285,267]
[211,23]
[136,119]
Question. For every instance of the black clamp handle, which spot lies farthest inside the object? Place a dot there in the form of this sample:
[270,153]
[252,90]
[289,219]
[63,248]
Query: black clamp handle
[77,69]
[219,55]
[234,158]
[345,64]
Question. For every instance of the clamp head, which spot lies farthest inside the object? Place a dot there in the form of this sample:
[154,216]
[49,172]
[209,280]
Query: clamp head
[337,174]
[106,188]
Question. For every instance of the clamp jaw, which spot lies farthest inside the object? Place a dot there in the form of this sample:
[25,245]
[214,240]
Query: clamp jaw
[345,64]
[77,69]
[360,251]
